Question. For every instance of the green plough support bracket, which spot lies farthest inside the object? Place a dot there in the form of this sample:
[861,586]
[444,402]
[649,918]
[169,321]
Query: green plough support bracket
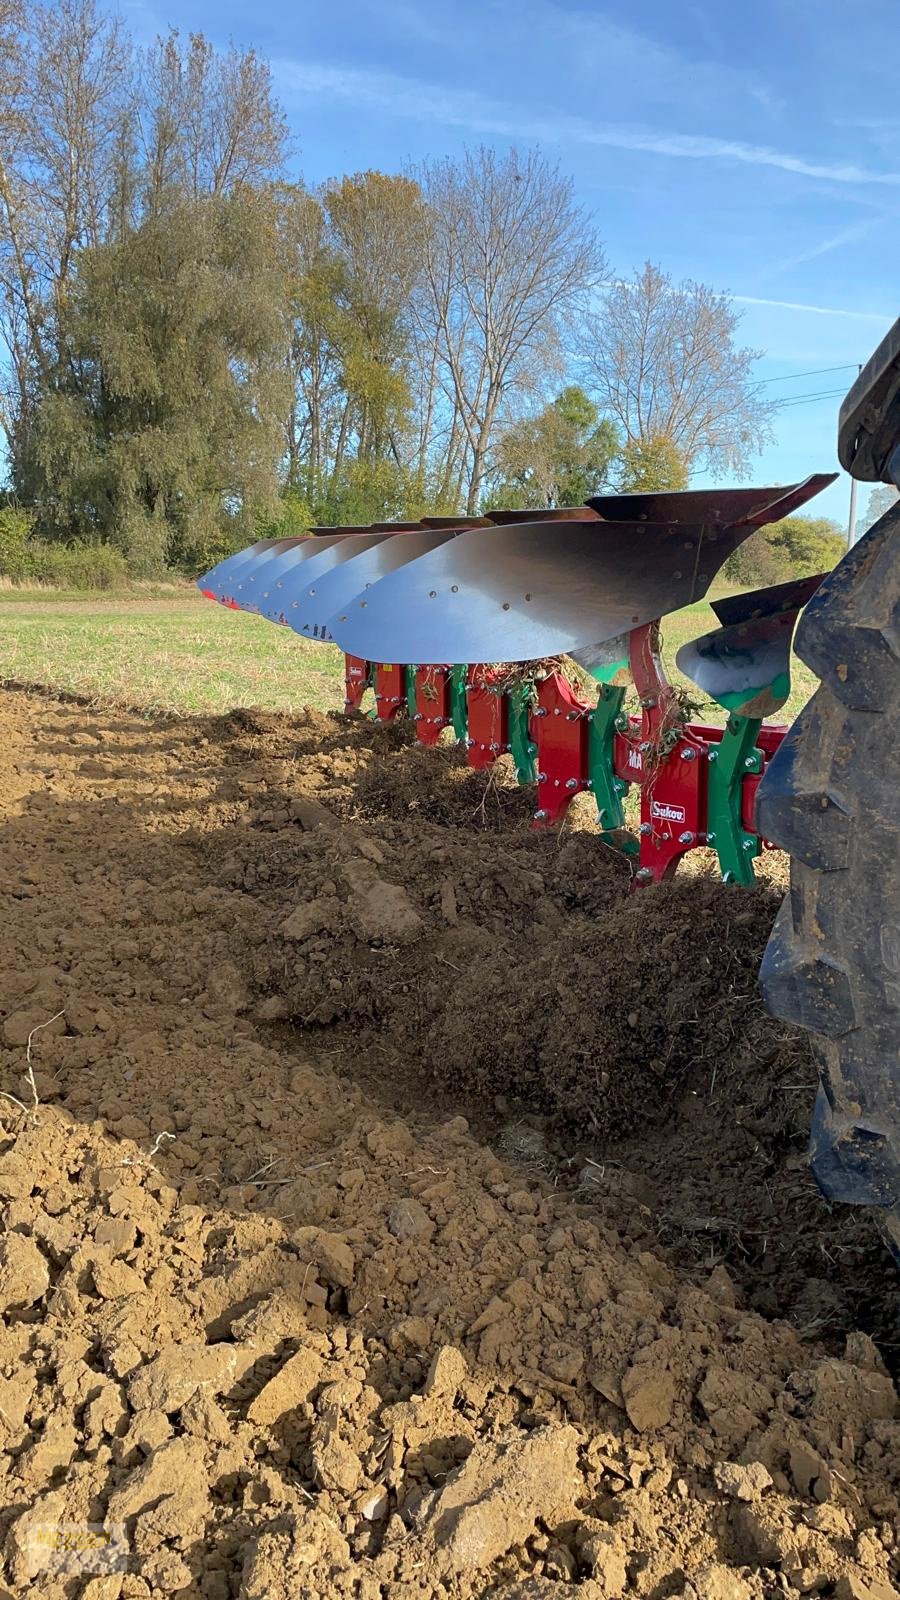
[607,789]
[459,710]
[730,762]
[523,752]
[410,675]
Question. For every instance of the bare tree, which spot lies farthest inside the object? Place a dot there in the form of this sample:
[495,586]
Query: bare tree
[662,360]
[508,261]
[67,68]
[210,120]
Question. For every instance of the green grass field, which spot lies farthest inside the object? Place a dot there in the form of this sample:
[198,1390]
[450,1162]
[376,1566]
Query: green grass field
[183,654]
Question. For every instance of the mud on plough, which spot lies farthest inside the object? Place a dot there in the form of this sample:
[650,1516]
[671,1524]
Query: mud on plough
[465,624]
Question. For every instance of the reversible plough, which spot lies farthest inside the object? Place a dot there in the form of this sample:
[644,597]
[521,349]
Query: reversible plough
[466,624]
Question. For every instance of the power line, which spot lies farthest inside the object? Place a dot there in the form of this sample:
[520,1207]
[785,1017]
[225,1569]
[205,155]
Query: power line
[815,372]
[804,399]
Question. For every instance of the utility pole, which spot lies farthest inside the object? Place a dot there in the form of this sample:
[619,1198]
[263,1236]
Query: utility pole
[851,520]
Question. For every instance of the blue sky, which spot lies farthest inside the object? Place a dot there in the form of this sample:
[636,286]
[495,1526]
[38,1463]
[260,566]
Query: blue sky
[756,148]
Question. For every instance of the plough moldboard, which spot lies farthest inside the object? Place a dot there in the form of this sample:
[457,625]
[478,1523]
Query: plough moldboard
[463,625]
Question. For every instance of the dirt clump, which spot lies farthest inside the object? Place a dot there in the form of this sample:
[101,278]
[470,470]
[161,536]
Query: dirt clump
[279,1318]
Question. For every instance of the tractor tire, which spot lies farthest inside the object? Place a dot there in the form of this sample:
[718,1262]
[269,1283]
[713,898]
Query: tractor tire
[831,798]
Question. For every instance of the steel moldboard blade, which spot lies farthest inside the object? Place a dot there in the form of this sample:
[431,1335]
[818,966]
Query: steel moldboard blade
[336,590]
[556,514]
[526,591]
[766,602]
[745,666]
[295,600]
[221,579]
[258,584]
[719,507]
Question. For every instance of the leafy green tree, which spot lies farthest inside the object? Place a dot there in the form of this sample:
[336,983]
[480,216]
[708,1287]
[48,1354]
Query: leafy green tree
[557,458]
[377,224]
[352,254]
[654,463]
[95,136]
[160,433]
[809,544]
[796,547]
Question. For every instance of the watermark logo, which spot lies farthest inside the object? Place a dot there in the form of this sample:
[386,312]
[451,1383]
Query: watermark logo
[71,1549]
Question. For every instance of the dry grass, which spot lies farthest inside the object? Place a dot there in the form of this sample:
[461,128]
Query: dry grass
[182,654]
[12,592]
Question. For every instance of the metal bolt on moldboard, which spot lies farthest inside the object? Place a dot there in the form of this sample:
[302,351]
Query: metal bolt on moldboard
[643,875]
[749,761]
[540,816]
[749,844]
[689,754]
[645,828]
[571,783]
[541,711]
[686,838]
[542,777]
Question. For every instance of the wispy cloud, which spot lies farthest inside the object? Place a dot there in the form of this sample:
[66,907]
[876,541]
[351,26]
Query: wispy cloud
[858,230]
[415,100]
[818,311]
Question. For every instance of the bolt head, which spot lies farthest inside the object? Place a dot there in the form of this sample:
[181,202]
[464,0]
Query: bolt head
[686,838]
[571,783]
[542,777]
[540,816]
[645,828]
[749,761]
[689,754]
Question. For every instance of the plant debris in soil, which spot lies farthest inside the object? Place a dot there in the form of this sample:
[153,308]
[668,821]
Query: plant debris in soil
[395,1207]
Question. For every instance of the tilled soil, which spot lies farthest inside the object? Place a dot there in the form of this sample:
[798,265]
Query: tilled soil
[394,1206]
